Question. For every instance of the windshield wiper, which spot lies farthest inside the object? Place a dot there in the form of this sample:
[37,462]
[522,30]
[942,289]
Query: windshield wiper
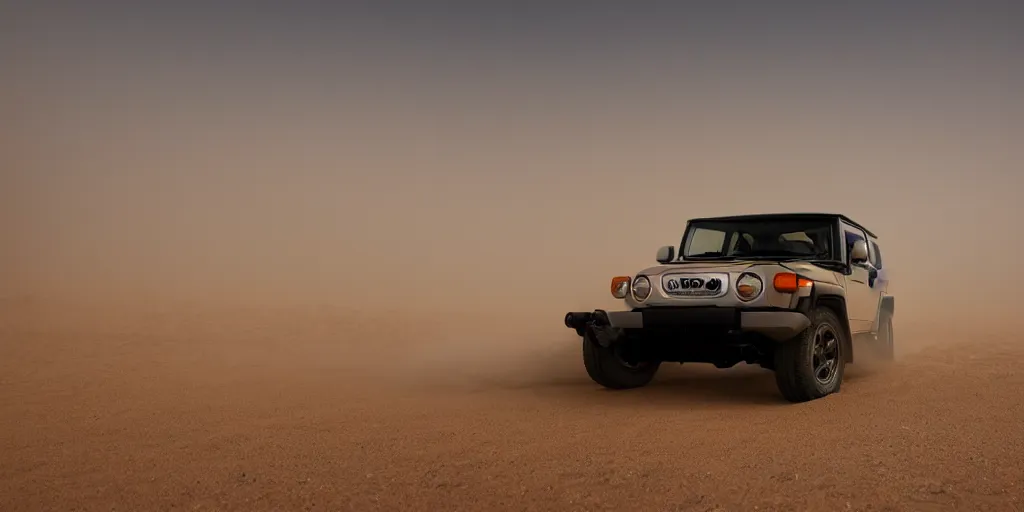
[710,255]
[820,262]
[765,256]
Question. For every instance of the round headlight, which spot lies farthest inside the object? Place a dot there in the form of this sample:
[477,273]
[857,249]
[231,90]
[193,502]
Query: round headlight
[641,288]
[748,287]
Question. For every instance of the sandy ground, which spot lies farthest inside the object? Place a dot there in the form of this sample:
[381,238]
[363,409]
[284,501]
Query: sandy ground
[247,409]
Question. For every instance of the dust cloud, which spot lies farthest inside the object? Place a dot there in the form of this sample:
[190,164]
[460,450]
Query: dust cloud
[466,255]
[467,252]
[460,226]
[447,275]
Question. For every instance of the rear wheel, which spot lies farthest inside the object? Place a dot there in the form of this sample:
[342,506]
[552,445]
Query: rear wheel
[811,365]
[613,368]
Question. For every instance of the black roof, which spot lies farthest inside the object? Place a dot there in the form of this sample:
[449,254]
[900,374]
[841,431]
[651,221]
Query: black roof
[798,215]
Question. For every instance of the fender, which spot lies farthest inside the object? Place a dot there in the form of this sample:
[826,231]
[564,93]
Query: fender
[888,305]
[834,297]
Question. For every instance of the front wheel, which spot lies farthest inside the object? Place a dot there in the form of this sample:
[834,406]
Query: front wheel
[612,368]
[811,365]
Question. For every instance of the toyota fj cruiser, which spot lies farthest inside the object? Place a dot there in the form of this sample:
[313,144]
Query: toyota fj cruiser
[793,293]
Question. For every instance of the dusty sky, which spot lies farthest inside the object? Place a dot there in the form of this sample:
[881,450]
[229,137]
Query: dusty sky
[458,157]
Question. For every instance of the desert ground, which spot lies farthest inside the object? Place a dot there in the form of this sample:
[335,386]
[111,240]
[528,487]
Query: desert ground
[180,407]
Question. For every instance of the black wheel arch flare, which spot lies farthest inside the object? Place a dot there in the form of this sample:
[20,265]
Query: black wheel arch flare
[832,297]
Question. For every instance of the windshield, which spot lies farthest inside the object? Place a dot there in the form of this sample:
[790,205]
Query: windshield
[809,238]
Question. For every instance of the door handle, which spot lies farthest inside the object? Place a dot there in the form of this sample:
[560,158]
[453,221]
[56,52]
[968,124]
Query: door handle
[857,276]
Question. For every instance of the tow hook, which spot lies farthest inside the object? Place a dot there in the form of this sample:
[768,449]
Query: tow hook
[596,325]
[604,336]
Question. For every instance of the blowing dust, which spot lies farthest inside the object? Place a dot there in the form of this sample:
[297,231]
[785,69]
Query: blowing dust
[416,233]
[408,346]
[467,283]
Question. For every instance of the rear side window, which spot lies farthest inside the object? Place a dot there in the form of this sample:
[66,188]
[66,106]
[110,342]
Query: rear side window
[876,255]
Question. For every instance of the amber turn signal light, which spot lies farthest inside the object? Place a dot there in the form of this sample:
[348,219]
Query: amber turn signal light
[788,282]
[620,287]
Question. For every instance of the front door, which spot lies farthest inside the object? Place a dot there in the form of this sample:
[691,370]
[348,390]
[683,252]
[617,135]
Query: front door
[880,284]
[861,298]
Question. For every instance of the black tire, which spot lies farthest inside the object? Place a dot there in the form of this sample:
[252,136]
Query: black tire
[607,367]
[800,363]
[885,339]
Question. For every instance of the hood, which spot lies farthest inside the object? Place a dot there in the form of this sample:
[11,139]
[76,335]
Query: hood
[704,266]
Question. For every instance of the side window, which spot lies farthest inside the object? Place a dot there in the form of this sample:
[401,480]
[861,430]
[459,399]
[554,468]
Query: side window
[851,238]
[705,241]
[876,255]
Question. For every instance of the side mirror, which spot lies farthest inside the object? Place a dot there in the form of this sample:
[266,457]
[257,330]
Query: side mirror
[666,254]
[859,252]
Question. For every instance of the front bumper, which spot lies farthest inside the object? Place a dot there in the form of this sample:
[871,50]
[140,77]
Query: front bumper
[774,324]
